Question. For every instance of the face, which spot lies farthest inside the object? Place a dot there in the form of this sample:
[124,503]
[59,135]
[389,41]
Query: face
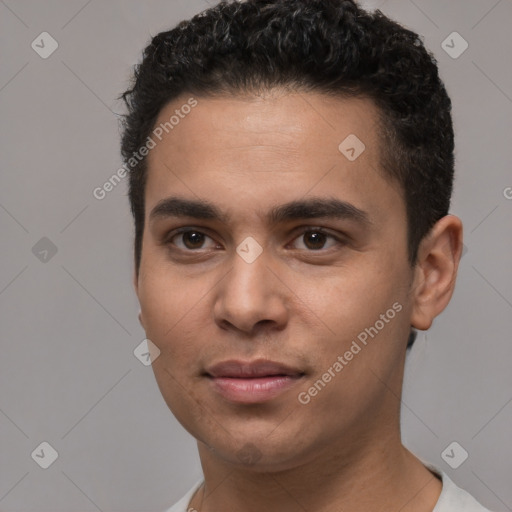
[274,277]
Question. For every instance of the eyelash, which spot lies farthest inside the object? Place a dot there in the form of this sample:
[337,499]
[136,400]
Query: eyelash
[305,231]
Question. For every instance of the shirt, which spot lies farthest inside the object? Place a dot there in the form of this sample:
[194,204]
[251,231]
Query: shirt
[451,499]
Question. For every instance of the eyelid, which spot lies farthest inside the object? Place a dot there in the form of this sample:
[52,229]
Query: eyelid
[315,229]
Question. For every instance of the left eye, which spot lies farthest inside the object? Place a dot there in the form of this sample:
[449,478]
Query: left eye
[315,239]
[191,239]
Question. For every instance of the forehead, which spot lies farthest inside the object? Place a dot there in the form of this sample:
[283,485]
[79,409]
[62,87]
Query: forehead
[271,148]
[276,119]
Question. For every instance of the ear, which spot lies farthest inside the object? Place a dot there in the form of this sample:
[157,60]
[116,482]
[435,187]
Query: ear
[135,281]
[136,287]
[435,271]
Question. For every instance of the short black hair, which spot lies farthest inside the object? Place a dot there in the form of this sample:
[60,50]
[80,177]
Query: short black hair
[328,46]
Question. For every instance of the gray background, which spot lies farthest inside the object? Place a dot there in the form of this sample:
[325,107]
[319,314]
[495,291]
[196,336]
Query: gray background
[68,375]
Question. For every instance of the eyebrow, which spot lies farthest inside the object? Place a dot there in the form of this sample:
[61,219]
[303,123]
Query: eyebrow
[294,210]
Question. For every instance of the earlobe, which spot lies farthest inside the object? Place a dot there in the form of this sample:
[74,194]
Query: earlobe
[436,271]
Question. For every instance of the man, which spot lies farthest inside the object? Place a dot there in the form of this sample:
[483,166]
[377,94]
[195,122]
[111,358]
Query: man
[291,167]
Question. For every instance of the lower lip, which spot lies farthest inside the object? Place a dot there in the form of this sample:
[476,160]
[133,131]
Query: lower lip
[255,390]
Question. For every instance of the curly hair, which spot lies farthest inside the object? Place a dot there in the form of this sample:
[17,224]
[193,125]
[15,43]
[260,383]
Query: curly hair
[329,46]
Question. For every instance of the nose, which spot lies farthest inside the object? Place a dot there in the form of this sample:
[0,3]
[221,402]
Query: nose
[251,297]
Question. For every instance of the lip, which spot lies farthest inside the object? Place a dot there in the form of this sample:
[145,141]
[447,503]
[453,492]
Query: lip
[252,382]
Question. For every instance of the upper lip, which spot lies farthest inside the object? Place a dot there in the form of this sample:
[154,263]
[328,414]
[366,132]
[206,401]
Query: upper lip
[251,369]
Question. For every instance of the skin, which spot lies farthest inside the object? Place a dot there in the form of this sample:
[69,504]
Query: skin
[298,303]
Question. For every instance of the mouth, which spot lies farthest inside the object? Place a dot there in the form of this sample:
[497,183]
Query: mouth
[252,382]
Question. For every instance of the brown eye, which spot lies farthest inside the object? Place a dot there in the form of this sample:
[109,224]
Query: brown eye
[189,240]
[315,239]
[193,239]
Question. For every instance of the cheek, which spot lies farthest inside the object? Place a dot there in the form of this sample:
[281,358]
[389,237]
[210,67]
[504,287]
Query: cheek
[163,304]
[366,306]
[159,305]
[170,313]
[177,317]
[161,291]
[355,297]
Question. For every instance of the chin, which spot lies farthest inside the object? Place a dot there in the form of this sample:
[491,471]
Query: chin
[259,453]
